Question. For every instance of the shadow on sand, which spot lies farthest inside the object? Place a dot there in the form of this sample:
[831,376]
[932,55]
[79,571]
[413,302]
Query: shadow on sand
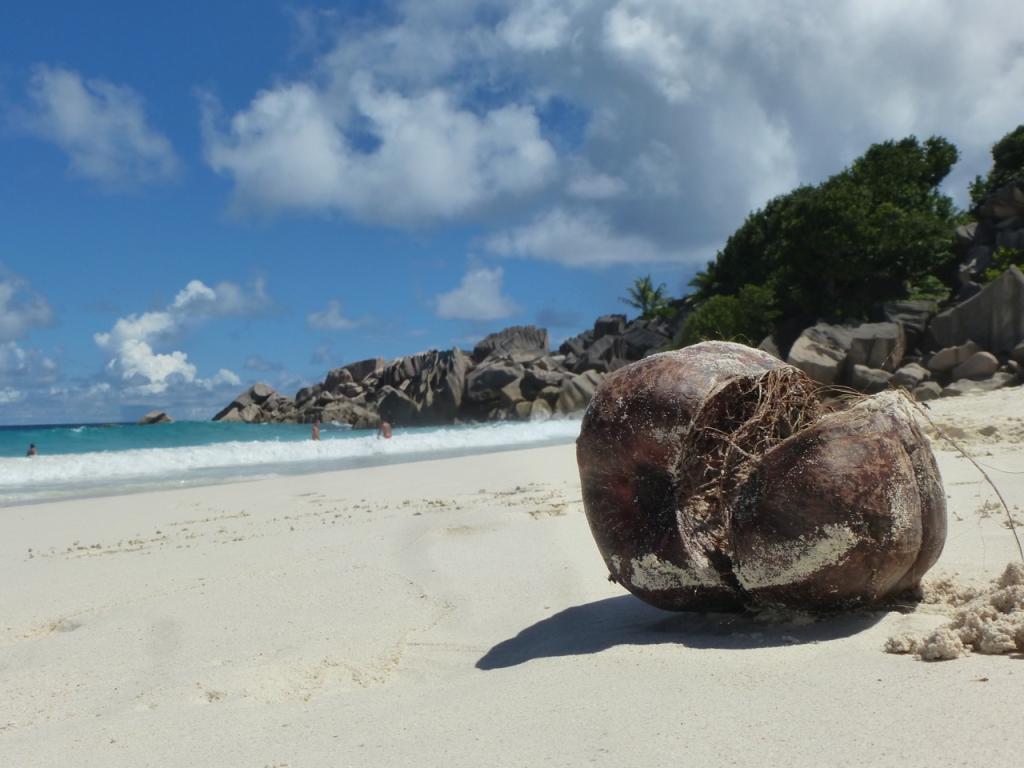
[626,620]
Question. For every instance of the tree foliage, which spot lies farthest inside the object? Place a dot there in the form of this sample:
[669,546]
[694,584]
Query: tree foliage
[1007,165]
[836,249]
[1002,260]
[652,302]
[747,318]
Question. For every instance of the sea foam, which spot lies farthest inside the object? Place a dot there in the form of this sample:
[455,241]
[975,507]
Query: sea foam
[67,475]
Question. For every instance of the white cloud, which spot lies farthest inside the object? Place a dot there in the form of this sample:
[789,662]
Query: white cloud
[635,36]
[595,186]
[223,377]
[21,309]
[376,153]
[537,25]
[134,359]
[671,120]
[9,395]
[330,319]
[26,365]
[580,239]
[101,126]
[148,371]
[478,297]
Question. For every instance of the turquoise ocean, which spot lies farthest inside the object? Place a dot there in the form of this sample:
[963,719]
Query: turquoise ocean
[98,459]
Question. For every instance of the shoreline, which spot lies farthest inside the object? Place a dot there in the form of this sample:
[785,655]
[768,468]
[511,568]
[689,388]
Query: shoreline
[110,473]
[452,612]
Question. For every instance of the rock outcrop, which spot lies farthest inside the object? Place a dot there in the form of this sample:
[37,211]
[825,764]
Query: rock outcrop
[975,344]
[509,375]
[1000,224]
[155,417]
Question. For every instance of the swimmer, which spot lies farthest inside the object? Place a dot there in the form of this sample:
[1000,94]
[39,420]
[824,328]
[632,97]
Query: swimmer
[31,450]
[384,430]
[316,429]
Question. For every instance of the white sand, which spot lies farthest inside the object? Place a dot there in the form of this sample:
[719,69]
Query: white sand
[456,613]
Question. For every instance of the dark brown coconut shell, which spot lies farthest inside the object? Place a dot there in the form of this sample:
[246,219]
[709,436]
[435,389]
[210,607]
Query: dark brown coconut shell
[713,478]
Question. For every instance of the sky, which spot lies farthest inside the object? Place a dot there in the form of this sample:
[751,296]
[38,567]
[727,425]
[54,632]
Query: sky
[198,196]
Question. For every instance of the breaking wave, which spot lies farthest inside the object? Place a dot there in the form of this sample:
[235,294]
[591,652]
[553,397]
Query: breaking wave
[48,477]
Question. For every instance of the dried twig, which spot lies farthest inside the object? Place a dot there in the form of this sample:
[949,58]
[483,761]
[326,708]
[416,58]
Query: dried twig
[977,466]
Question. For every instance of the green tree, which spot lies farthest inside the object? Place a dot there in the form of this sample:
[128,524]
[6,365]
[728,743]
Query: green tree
[652,302]
[1002,260]
[1007,165]
[836,249]
[747,317]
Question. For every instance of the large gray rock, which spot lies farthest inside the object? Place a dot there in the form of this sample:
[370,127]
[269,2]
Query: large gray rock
[550,395]
[519,338]
[254,396]
[930,390]
[980,365]
[820,352]
[876,345]
[537,379]
[577,345]
[607,353]
[612,325]
[306,394]
[869,380]
[994,318]
[443,386]
[336,378]
[486,381]
[259,392]
[770,345]
[968,387]
[229,415]
[347,412]
[156,417]
[395,406]
[945,360]
[914,315]
[909,376]
[643,337]
[360,369]
[1018,353]
[577,392]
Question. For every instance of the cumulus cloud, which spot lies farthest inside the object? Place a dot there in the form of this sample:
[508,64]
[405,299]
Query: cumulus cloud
[132,340]
[579,239]
[375,153]
[9,395]
[21,308]
[689,114]
[101,126]
[477,297]
[330,318]
[537,25]
[27,365]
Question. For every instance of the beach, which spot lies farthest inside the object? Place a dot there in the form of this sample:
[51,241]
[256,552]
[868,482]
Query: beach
[456,612]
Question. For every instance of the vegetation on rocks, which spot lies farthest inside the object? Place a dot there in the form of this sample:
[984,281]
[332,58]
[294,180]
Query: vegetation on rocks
[835,250]
[1007,165]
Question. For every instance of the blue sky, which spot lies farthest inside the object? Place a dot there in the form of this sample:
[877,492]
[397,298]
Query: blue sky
[195,198]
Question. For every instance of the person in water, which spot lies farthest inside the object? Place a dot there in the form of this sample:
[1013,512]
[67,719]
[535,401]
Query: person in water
[31,450]
[316,429]
[384,430]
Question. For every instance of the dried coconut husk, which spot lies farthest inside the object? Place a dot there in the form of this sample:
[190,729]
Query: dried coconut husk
[715,477]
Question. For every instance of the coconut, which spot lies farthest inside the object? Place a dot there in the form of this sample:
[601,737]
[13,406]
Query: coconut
[716,477]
